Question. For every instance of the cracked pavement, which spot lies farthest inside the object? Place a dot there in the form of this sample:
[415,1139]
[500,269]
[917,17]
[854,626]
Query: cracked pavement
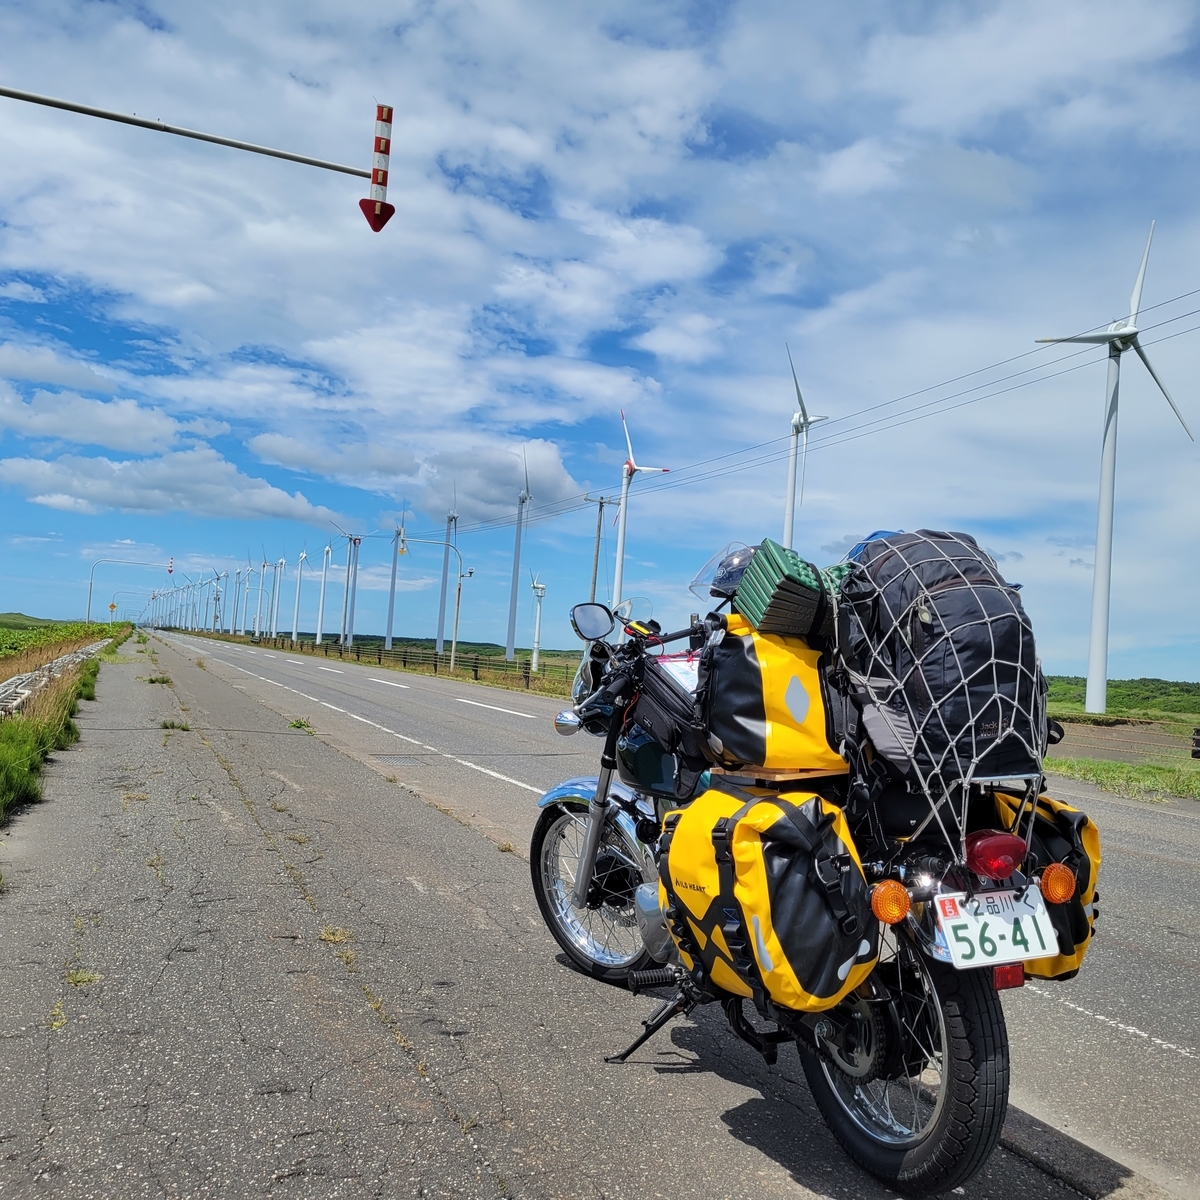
[236,961]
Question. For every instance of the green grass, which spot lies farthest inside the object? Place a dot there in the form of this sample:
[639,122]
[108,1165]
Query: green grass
[1133,699]
[1138,781]
[15,639]
[28,738]
[177,725]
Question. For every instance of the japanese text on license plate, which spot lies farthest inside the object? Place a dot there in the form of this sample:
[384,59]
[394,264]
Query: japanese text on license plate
[995,927]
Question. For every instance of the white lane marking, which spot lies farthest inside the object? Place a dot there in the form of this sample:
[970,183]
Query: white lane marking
[388,682]
[296,661]
[331,670]
[462,762]
[1132,1030]
[512,712]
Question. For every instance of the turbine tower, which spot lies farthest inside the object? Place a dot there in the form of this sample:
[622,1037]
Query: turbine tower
[801,424]
[522,500]
[628,471]
[451,527]
[1119,337]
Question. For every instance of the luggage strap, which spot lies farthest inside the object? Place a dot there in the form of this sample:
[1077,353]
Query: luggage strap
[829,871]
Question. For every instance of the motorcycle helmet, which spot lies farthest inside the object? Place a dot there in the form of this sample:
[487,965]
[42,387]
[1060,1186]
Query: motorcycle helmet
[720,576]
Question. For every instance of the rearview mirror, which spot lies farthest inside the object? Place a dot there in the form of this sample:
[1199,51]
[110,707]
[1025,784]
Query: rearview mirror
[591,621]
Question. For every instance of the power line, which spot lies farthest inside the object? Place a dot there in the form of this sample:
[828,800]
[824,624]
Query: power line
[684,477]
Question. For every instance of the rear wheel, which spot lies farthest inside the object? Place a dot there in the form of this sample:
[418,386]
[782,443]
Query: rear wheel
[602,938]
[923,1105]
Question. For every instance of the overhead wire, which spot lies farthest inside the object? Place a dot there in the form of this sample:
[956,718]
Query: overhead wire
[685,477]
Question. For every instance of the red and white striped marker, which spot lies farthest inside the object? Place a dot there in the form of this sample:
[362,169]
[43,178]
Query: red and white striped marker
[377,210]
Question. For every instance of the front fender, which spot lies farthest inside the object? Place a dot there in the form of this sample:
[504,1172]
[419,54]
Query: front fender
[582,790]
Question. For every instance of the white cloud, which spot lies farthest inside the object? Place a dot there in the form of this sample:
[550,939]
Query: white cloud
[196,481]
[16,289]
[40,364]
[115,424]
[685,337]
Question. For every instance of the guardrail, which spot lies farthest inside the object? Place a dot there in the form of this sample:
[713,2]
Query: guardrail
[553,677]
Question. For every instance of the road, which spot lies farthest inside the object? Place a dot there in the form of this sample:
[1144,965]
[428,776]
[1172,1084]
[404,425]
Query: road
[434,1043]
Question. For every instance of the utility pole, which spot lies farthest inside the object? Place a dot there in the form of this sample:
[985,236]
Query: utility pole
[451,526]
[600,502]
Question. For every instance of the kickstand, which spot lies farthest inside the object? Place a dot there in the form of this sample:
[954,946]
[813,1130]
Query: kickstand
[669,1008]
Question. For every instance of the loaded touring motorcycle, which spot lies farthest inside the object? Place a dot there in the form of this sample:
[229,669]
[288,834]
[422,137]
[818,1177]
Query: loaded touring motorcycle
[828,808]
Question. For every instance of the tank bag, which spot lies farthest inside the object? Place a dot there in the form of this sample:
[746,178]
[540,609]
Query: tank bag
[764,703]
[765,897]
[1066,835]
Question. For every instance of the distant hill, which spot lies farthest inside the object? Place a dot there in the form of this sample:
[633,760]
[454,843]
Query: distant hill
[21,621]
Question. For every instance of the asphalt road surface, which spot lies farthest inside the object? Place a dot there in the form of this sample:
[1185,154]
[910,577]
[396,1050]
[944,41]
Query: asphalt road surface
[246,958]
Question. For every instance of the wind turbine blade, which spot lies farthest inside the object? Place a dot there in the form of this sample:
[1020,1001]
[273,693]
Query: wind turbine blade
[1095,338]
[1162,387]
[799,398]
[628,443]
[1135,299]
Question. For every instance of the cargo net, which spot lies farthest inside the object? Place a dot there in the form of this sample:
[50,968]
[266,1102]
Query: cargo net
[942,660]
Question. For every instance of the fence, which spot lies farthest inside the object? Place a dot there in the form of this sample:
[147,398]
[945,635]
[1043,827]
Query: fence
[553,677]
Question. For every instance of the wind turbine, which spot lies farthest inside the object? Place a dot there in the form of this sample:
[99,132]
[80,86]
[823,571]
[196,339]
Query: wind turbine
[1119,336]
[801,424]
[326,555]
[628,471]
[296,608]
[522,500]
[539,593]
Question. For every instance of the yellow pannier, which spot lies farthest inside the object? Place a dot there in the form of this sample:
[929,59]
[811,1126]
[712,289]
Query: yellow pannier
[764,704]
[1062,834]
[765,897]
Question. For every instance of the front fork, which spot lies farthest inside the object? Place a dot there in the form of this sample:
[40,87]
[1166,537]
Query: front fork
[598,813]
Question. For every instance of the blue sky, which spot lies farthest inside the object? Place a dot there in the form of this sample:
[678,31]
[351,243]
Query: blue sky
[209,355]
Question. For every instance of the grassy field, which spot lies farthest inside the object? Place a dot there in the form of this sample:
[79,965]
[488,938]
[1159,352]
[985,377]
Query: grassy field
[1132,699]
[24,648]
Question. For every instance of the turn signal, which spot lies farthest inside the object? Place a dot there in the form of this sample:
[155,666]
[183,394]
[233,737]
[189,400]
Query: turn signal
[994,855]
[1058,883]
[890,902]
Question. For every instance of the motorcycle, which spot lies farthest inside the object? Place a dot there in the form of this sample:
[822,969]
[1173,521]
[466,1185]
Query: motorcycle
[910,1070]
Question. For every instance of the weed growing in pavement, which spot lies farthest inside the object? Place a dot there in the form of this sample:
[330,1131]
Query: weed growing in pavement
[128,797]
[200,664]
[507,848]
[301,723]
[142,639]
[335,935]
[279,807]
[301,839]
[78,977]
[57,1018]
[177,725]
[160,679]
[156,864]
[347,956]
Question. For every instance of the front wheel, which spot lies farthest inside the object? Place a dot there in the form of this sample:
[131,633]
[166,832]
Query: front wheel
[602,939]
[925,1110]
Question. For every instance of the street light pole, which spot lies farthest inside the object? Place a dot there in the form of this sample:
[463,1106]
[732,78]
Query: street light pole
[124,562]
[457,606]
[387,633]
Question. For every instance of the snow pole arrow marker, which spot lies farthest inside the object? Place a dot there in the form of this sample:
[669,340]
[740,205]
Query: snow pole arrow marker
[376,209]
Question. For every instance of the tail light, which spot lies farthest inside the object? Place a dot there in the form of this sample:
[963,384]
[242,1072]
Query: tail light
[1057,883]
[1010,975]
[994,855]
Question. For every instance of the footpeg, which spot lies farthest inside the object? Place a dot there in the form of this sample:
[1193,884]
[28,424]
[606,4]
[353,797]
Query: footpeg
[639,981]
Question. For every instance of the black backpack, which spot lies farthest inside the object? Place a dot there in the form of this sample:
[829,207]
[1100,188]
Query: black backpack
[941,661]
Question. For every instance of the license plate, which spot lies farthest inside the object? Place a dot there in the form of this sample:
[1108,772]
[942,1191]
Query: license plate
[995,927]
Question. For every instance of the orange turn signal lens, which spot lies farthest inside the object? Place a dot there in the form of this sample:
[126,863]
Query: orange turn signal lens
[1058,883]
[890,902]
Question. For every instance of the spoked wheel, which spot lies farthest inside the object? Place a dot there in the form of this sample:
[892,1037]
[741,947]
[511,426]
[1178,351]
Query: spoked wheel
[602,938]
[919,1099]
